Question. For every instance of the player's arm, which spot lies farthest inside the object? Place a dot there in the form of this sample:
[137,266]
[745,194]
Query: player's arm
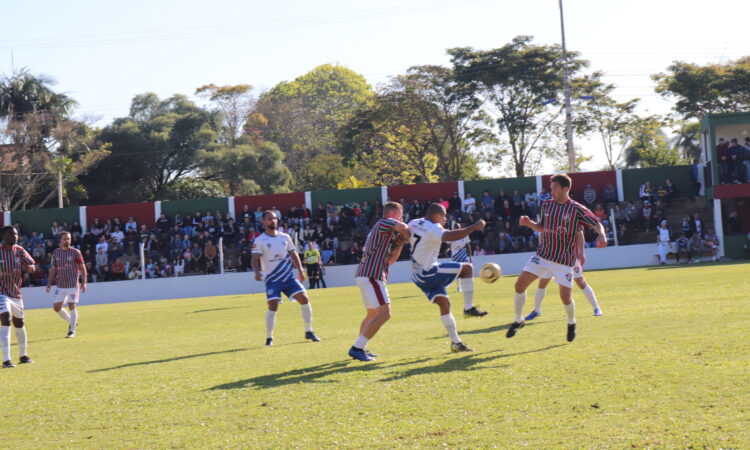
[461,233]
[398,245]
[255,263]
[28,262]
[297,263]
[601,240]
[525,221]
[84,275]
[52,275]
[580,240]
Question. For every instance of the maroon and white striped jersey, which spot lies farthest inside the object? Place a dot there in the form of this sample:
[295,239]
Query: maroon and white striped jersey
[561,222]
[374,262]
[13,261]
[66,263]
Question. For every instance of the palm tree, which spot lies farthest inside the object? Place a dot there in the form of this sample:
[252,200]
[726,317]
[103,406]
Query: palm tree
[24,93]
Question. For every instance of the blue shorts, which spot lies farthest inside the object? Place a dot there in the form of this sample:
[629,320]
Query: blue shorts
[290,288]
[434,281]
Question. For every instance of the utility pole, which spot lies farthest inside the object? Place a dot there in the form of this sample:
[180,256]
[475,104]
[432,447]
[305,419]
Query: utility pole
[566,95]
[59,189]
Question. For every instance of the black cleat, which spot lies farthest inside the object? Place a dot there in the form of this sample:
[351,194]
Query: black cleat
[8,364]
[460,347]
[269,342]
[514,327]
[71,334]
[25,360]
[311,335]
[474,312]
[571,332]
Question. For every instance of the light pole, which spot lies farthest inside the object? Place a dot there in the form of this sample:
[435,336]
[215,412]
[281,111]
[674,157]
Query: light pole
[566,95]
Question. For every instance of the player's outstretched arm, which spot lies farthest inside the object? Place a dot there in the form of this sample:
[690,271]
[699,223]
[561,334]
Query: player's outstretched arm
[524,221]
[461,233]
[255,263]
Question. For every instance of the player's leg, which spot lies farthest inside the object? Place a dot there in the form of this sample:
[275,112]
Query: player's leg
[541,291]
[519,300]
[588,292]
[566,295]
[72,306]
[307,314]
[5,331]
[17,314]
[466,283]
[377,303]
[449,322]
[273,307]
[57,306]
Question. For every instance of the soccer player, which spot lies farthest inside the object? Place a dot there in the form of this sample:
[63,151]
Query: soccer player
[461,253]
[541,290]
[427,235]
[561,218]
[274,255]
[66,267]
[13,260]
[382,248]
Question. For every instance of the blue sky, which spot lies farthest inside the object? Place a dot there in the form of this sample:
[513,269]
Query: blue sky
[103,53]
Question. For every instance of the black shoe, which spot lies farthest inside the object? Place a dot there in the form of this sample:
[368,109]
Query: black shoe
[25,360]
[311,335]
[474,312]
[514,327]
[269,342]
[8,364]
[571,332]
[71,334]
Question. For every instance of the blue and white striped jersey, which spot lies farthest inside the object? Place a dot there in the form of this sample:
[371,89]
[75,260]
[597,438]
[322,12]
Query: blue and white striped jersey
[458,250]
[275,261]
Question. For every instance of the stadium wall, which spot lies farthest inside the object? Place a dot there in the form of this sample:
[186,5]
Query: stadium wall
[143,213]
[41,219]
[477,187]
[336,276]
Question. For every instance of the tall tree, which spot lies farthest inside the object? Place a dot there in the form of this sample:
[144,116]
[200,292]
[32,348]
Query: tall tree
[247,168]
[234,102]
[521,84]
[649,145]
[304,116]
[710,88]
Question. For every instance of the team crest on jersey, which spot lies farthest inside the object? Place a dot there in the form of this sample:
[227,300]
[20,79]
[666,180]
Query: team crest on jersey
[269,292]
[566,218]
[568,276]
[268,245]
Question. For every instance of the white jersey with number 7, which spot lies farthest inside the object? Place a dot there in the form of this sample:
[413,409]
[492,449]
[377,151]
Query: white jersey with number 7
[426,238]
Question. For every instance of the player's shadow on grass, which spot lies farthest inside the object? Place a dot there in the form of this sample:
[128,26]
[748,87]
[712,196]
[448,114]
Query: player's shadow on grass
[313,374]
[494,329]
[216,309]
[166,360]
[465,363]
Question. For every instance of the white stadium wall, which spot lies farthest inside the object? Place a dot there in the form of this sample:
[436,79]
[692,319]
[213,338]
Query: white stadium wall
[336,276]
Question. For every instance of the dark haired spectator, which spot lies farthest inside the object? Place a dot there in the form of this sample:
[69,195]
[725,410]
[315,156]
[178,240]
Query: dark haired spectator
[722,153]
[682,245]
[609,195]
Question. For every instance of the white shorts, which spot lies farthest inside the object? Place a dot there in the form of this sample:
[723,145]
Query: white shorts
[577,271]
[374,292]
[66,295]
[12,305]
[544,268]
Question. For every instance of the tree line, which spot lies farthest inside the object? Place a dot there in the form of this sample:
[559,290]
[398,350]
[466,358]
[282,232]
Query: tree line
[330,129]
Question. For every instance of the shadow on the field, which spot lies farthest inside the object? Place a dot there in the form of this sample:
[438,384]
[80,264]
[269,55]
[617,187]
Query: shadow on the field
[311,374]
[464,363]
[176,358]
[494,329]
[406,296]
[216,309]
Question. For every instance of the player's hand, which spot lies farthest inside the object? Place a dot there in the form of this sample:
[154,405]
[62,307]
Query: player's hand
[524,221]
[84,287]
[479,224]
[601,241]
[258,276]
[31,268]
[301,276]
[48,288]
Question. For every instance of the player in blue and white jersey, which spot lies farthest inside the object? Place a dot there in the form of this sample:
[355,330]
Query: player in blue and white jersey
[431,277]
[461,253]
[274,260]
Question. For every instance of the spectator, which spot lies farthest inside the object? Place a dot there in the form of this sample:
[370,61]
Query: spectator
[117,235]
[131,224]
[504,244]
[102,245]
[600,212]
[101,258]
[532,201]
[734,224]
[470,203]
[663,241]
[96,228]
[486,201]
[210,253]
[609,194]
[454,205]
[711,242]
[76,228]
[118,270]
[695,183]
[722,153]
[56,230]
[179,266]
[671,191]
[589,196]
[696,247]
[683,248]
[736,164]
[697,224]
[647,216]
[746,158]
[134,272]
[645,192]
[544,195]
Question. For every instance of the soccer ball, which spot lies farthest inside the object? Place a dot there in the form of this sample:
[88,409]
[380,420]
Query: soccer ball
[490,272]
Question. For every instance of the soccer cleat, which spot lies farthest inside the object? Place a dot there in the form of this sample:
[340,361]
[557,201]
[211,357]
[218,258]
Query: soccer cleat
[371,354]
[571,332]
[360,354]
[25,360]
[311,335]
[533,315]
[598,312]
[460,347]
[8,364]
[474,312]
[514,327]
[71,334]
[269,342]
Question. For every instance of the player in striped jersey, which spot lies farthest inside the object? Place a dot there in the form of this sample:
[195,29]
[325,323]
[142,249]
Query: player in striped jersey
[13,261]
[577,277]
[461,253]
[561,218]
[274,258]
[382,248]
[66,268]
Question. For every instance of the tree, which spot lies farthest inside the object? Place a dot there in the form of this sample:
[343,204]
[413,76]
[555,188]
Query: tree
[304,116]
[649,145]
[712,88]
[234,103]
[247,168]
[688,140]
[521,84]
[188,188]
[24,94]
[156,145]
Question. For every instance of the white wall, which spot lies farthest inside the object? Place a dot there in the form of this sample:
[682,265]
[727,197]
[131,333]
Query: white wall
[336,276]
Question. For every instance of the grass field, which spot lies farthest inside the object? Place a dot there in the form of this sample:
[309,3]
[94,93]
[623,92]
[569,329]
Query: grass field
[667,366]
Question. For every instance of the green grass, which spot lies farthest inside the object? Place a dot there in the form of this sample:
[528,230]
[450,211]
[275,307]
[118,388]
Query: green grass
[667,366]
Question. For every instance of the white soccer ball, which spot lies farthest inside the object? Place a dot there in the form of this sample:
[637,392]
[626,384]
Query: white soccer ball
[490,272]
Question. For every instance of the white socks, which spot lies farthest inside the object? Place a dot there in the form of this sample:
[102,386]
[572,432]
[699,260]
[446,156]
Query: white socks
[307,315]
[73,319]
[450,326]
[538,299]
[361,341]
[65,316]
[270,323]
[467,287]
[21,336]
[591,297]
[570,310]
[518,301]
[5,341]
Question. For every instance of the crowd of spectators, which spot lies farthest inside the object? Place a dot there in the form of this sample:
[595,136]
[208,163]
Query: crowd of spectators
[179,245]
[734,161]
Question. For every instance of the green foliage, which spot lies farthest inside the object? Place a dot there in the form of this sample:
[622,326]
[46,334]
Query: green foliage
[688,140]
[710,88]
[24,93]
[189,188]
[234,102]
[326,171]
[649,146]
[631,379]
[247,168]
[304,116]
